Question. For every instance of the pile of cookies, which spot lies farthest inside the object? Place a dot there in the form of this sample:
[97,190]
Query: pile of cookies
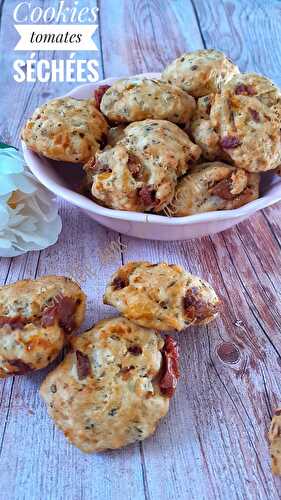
[116,380]
[194,141]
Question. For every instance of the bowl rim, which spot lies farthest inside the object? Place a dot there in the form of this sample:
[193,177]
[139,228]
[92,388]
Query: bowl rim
[35,163]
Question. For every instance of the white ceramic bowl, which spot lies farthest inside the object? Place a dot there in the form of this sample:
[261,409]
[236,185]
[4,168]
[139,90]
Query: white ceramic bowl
[60,180]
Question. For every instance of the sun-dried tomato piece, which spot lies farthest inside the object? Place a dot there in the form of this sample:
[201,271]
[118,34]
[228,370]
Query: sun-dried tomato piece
[15,323]
[254,114]
[118,283]
[62,310]
[99,93]
[243,89]
[195,307]
[229,142]
[135,166]
[22,367]
[223,189]
[136,350]
[83,365]
[170,367]
[147,194]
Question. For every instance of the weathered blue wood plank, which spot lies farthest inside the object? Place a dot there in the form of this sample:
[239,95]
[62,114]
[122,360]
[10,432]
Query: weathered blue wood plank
[213,442]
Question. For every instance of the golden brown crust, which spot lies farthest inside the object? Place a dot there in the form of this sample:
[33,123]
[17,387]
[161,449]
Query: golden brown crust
[213,186]
[105,394]
[140,172]
[162,296]
[274,437]
[124,179]
[254,85]
[246,117]
[66,129]
[139,99]
[35,318]
[203,132]
[204,135]
[200,72]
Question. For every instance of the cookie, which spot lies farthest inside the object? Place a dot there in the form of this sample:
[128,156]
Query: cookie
[35,318]
[140,172]
[203,133]
[66,129]
[255,85]
[114,386]
[274,437]
[246,117]
[134,100]
[161,296]
[200,72]
[214,186]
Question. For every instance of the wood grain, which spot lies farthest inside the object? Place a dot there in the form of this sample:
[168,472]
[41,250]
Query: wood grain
[146,35]
[213,442]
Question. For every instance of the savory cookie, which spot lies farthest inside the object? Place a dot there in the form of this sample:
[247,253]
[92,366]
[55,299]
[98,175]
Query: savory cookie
[203,132]
[254,85]
[140,172]
[201,72]
[274,437]
[213,186]
[204,135]
[115,134]
[203,106]
[162,296]
[114,386]
[66,129]
[35,317]
[246,117]
[124,180]
[138,99]
[154,136]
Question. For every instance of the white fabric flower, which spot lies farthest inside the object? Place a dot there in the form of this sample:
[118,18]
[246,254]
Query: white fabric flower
[29,217]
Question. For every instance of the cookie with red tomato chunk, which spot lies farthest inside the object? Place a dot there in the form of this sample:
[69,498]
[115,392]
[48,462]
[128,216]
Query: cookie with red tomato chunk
[36,316]
[203,132]
[214,186]
[246,117]
[114,386]
[161,296]
[140,172]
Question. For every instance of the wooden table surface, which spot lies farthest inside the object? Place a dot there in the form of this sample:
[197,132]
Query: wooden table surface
[213,443]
